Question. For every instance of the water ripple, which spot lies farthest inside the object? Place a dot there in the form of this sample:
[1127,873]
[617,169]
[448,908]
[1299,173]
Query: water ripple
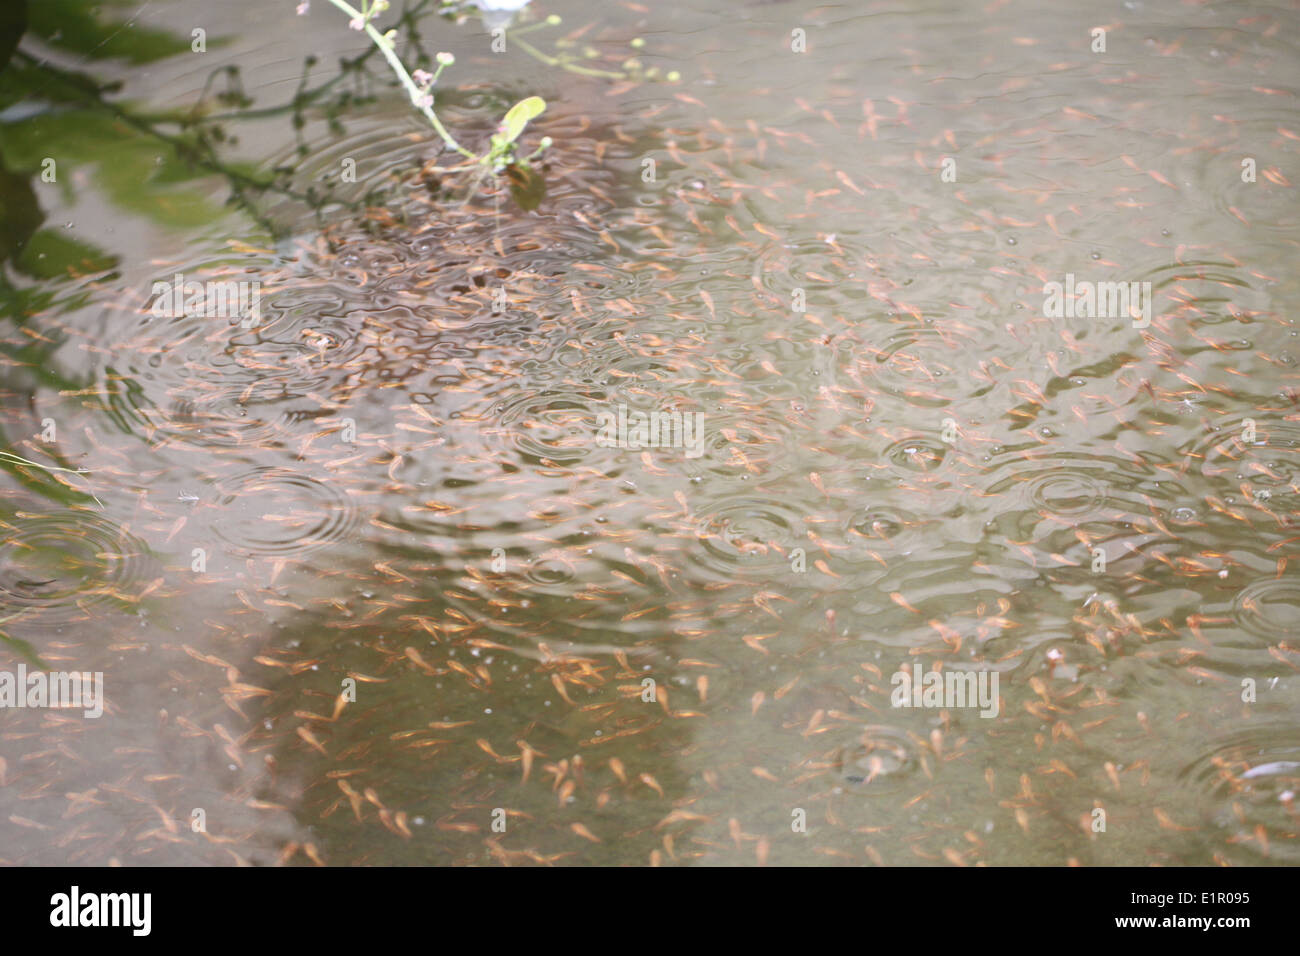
[61,564]
[276,512]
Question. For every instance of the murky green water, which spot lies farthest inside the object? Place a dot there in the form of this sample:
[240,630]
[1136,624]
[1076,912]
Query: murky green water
[395,475]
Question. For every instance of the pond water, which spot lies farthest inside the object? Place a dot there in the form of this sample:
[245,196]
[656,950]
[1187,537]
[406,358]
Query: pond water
[367,581]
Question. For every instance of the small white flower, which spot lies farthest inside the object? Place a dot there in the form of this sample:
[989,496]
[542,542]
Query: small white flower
[422,78]
[304,7]
[357,23]
[499,13]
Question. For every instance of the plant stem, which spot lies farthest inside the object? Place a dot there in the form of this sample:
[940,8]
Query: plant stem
[564,64]
[18,460]
[386,48]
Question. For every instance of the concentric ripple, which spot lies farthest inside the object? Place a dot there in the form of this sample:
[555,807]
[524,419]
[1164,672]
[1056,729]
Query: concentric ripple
[1251,779]
[920,365]
[1067,492]
[919,454]
[556,425]
[1221,291]
[211,382]
[350,168]
[748,534]
[61,564]
[877,523]
[881,758]
[1269,608]
[822,267]
[879,527]
[1260,205]
[276,512]
[1269,464]
[1064,486]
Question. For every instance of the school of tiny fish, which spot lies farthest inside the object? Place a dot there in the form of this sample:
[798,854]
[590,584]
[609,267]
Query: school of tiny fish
[429,601]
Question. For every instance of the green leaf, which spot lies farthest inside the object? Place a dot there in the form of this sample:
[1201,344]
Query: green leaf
[512,125]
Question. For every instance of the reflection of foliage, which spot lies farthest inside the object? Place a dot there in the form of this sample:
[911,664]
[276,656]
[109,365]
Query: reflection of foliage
[414,738]
[147,162]
[20,214]
[13,24]
[73,26]
[71,115]
[49,254]
[22,648]
[74,116]
[59,492]
[126,168]
[54,487]
[82,127]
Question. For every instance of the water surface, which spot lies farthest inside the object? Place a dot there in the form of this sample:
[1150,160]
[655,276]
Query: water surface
[390,479]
